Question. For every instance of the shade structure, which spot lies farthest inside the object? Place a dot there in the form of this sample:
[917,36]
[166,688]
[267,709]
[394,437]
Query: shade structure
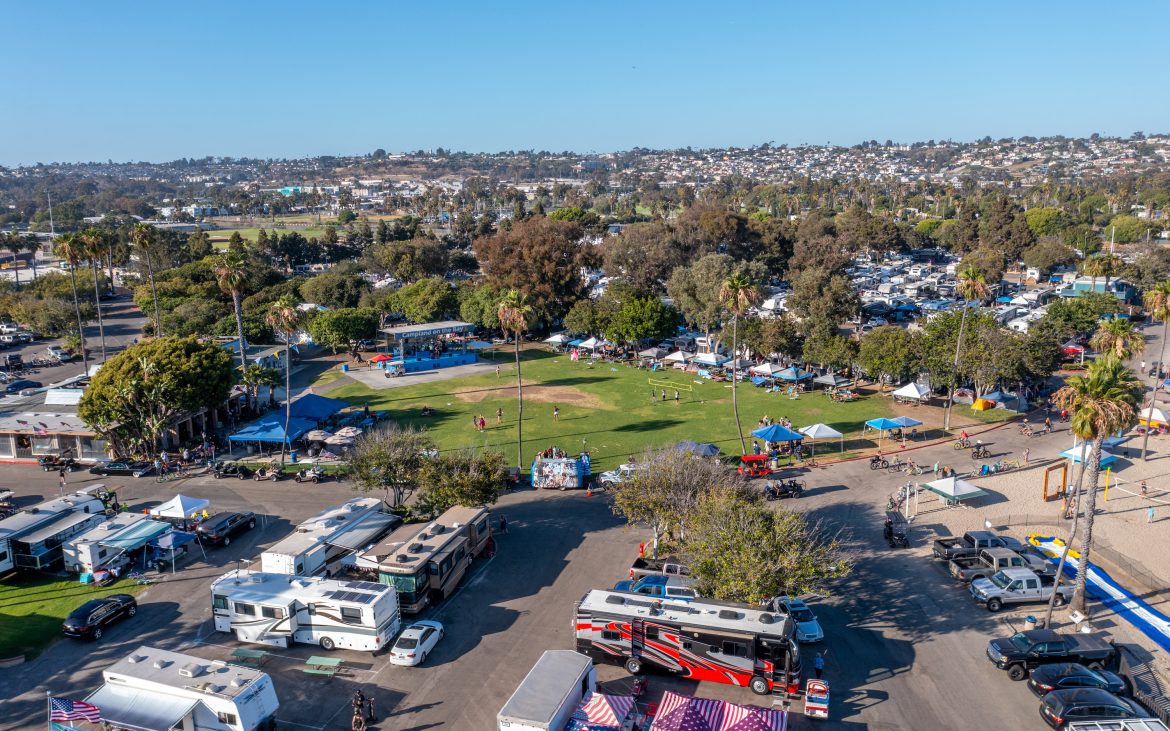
[138,535]
[882,424]
[820,431]
[180,506]
[591,344]
[1074,453]
[836,380]
[738,363]
[685,713]
[678,357]
[273,431]
[766,369]
[751,718]
[477,345]
[701,449]
[794,374]
[601,710]
[381,358]
[315,407]
[173,540]
[711,359]
[912,390]
[906,421]
[655,353]
[777,433]
[952,488]
[1152,416]
[558,339]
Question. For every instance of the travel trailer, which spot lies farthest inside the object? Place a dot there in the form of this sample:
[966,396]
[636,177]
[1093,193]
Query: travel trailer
[32,538]
[328,537]
[111,541]
[277,609]
[425,562]
[158,689]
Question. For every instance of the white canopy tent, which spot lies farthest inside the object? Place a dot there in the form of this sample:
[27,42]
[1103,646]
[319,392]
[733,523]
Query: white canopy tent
[822,431]
[1152,416]
[180,506]
[558,339]
[655,353]
[766,369]
[912,390]
[678,357]
[591,344]
[953,490]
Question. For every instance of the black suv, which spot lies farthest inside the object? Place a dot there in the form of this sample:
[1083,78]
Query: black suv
[1062,707]
[219,528]
[90,619]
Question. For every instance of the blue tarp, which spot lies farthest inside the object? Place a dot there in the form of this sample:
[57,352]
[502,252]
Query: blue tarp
[701,449]
[758,380]
[777,433]
[273,431]
[312,406]
[882,424]
[174,539]
[1004,299]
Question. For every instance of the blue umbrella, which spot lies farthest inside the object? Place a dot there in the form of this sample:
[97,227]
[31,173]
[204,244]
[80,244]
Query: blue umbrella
[777,433]
[701,449]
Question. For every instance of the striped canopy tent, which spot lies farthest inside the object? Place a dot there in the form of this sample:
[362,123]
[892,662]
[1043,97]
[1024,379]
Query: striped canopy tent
[600,712]
[683,713]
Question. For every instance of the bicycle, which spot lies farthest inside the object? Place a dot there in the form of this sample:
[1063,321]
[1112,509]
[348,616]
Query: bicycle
[961,444]
[896,466]
[808,462]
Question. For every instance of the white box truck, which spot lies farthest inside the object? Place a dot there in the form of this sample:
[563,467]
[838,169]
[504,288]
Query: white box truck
[552,690]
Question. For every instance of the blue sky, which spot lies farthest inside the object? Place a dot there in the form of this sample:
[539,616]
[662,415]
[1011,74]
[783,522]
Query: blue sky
[153,81]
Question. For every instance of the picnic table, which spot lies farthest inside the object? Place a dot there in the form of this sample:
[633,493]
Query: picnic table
[327,666]
[251,658]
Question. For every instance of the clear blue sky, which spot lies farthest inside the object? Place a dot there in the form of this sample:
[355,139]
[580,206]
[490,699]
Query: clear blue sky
[162,80]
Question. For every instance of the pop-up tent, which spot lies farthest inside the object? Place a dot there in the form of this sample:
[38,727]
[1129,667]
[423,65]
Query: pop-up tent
[558,339]
[600,712]
[777,433]
[678,357]
[822,431]
[912,390]
[315,407]
[654,353]
[700,449]
[180,506]
[1074,454]
[882,425]
[833,380]
[766,369]
[688,713]
[794,374]
[1152,416]
[954,490]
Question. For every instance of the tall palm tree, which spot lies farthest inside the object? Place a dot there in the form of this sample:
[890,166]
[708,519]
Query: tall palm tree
[1157,302]
[1119,337]
[144,236]
[94,241]
[1101,265]
[1101,402]
[232,272]
[284,317]
[72,249]
[972,286]
[513,312]
[737,294]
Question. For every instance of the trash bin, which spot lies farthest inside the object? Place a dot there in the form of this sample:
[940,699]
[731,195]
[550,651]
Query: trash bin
[345,367]
[1030,622]
[292,456]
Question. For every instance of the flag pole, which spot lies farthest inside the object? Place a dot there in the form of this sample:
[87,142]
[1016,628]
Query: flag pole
[49,708]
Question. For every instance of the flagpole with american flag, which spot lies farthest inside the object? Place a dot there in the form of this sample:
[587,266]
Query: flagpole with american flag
[63,709]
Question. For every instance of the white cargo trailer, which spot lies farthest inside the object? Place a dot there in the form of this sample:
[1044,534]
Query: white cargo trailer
[550,693]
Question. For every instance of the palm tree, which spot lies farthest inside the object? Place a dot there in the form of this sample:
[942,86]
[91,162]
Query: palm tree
[972,286]
[94,241]
[232,272]
[737,294]
[143,236]
[32,245]
[1101,402]
[1157,302]
[284,317]
[71,249]
[1101,265]
[513,312]
[1119,337]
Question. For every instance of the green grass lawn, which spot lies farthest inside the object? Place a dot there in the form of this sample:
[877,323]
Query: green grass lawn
[221,236]
[605,408]
[32,608]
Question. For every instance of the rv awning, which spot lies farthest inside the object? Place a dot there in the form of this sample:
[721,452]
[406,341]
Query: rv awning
[365,531]
[61,523]
[137,535]
[139,709]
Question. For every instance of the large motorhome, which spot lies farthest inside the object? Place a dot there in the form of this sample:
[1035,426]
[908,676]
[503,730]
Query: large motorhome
[32,538]
[702,639]
[276,609]
[111,542]
[425,562]
[328,537]
[158,689]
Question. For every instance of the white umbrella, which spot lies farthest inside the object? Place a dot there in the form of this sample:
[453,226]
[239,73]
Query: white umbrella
[822,431]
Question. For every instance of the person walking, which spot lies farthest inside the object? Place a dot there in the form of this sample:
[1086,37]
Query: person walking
[497,371]
[503,523]
[1048,424]
[500,415]
[1150,514]
[1144,489]
[1026,453]
[482,423]
[61,475]
[676,395]
[819,664]
[370,716]
[664,394]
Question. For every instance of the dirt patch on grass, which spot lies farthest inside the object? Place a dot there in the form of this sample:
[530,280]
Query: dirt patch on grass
[535,392]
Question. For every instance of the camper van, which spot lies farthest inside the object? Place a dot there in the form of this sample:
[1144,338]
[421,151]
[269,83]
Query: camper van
[328,537]
[426,562]
[32,538]
[276,609]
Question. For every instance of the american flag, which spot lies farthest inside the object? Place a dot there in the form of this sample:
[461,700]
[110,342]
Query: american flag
[62,709]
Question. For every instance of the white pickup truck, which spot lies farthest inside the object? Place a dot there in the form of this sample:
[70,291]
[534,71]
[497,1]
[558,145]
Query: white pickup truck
[1017,586]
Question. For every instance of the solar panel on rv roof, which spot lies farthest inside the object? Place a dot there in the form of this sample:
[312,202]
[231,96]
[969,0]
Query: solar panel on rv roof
[365,585]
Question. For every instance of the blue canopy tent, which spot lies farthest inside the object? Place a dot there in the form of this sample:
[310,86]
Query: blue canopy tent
[273,431]
[172,541]
[777,433]
[317,408]
[794,374]
[1074,453]
[882,425]
[701,449]
[905,422]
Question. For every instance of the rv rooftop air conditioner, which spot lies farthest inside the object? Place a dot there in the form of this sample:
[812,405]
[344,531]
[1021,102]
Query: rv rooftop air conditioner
[238,682]
[416,547]
[191,670]
[160,663]
[135,659]
[729,614]
[403,558]
[434,529]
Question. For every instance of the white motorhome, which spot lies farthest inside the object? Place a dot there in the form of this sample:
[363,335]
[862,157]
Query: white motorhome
[32,538]
[276,609]
[550,693]
[156,689]
[328,537]
[109,541]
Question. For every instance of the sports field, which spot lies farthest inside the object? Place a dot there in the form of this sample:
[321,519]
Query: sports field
[610,410]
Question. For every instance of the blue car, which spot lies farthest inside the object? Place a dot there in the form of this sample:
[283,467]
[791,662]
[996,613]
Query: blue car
[18,386]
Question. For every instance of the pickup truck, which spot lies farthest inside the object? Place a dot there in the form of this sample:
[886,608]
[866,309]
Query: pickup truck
[623,473]
[1018,586]
[991,560]
[972,543]
[1025,650]
[657,567]
[660,587]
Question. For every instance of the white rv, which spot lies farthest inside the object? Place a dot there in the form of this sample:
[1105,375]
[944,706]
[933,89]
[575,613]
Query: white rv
[328,537]
[109,541]
[276,609]
[32,538]
[157,689]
